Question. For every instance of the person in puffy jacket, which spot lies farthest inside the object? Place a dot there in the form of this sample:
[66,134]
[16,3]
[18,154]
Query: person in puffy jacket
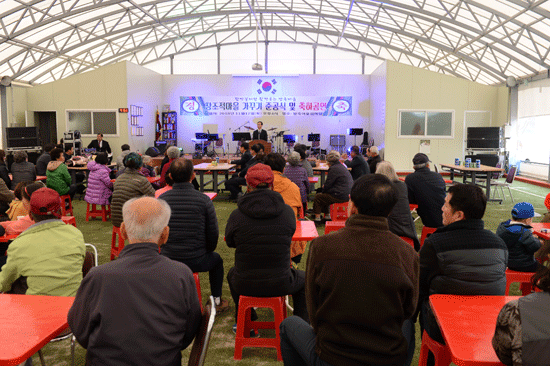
[518,236]
[57,173]
[100,187]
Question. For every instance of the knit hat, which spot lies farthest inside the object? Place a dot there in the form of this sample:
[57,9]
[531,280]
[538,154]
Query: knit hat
[46,201]
[547,201]
[259,174]
[420,158]
[524,210]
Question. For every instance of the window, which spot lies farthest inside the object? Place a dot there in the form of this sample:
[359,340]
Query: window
[426,123]
[93,122]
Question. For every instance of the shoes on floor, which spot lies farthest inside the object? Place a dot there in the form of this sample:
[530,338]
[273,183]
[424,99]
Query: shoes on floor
[223,306]
[253,333]
[319,223]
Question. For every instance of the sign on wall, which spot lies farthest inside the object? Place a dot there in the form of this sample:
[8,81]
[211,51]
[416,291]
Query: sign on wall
[334,106]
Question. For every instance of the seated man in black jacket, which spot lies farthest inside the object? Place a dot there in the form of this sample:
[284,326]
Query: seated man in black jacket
[143,308]
[460,258]
[193,228]
[336,188]
[261,230]
[245,157]
[234,184]
[358,164]
[426,189]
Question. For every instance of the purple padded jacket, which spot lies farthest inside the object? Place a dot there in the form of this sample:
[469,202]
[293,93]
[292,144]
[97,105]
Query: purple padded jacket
[100,187]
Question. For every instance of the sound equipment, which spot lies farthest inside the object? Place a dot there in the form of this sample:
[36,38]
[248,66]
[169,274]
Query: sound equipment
[314,137]
[22,138]
[484,138]
[238,136]
[161,146]
[355,131]
[152,152]
[365,138]
[337,140]
[289,138]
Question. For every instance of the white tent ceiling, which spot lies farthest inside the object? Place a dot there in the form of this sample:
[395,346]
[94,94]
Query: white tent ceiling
[485,41]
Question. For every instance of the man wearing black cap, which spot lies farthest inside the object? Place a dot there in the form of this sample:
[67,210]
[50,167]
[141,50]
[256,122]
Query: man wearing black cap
[427,190]
[261,230]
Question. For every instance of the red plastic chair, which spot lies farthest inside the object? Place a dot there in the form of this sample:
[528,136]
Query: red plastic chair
[408,240]
[65,211]
[198,284]
[441,352]
[301,212]
[339,211]
[425,232]
[104,212]
[331,226]
[69,220]
[116,245]
[524,278]
[244,324]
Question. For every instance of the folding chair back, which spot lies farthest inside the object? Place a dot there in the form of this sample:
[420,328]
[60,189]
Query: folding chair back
[200,344]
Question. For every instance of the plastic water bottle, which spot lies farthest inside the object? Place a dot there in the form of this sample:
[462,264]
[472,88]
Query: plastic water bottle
[217,160]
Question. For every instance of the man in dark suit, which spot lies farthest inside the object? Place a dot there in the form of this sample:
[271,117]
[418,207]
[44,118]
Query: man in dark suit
[260,133]
[100,145]
[358,165]
[246,156]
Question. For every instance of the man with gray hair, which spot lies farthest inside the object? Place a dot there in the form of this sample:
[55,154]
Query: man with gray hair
[142,308]
[336,188]
[427,190]
[374,158]
[172,153]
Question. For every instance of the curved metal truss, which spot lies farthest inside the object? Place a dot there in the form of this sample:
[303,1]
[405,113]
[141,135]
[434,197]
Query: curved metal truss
[484,40]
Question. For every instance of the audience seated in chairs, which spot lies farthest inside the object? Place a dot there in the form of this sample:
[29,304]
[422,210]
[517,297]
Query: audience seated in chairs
[261,230]
[358,164]
[298,175]
[522,244]
[4,172]
[21,169]
[58,177]
[172,153]
[350,325]
[291,194]
[427,190]
[336,188]
[16,206]
[234,184]
[193,228]
[129,185]
[460,258]
[100,187]
[142,308]
[522,334]
[46,259]
[400,219]
[20,225]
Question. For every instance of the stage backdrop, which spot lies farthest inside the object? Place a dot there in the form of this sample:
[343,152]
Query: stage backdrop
[290,105]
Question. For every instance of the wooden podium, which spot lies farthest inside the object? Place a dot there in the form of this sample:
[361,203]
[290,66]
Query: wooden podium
[266,145]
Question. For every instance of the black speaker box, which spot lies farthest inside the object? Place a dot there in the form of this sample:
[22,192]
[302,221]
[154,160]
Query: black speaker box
[152,152]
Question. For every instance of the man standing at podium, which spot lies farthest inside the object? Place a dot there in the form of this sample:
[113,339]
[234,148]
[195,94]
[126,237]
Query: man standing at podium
[100,145]
[260,133]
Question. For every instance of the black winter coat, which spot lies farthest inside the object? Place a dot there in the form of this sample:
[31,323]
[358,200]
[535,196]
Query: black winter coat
[427,190]
[261,230]
[193,223]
